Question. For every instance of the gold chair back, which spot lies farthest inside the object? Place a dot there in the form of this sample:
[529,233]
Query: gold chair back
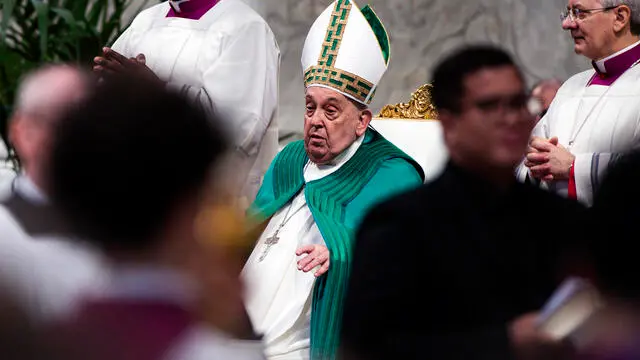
[419,106]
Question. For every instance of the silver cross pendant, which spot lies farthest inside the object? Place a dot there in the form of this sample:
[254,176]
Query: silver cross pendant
[270,241]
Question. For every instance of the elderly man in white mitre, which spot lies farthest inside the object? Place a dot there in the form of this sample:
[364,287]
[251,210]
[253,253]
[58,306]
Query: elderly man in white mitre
[595,115]
[318,189]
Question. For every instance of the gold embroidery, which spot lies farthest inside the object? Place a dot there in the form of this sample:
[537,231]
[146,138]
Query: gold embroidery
[325,73]
[341,80]
[335,32]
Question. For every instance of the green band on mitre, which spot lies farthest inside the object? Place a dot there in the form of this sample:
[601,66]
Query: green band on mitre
[378,30]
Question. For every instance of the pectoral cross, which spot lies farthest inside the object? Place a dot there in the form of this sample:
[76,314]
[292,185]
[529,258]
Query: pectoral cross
[270,241]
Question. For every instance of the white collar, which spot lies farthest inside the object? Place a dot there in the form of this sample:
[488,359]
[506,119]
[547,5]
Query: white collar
[314,171]
[600,63]
[175,4]
[29,190]
[149,282]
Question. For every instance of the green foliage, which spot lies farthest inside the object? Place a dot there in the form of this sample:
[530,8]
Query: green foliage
[33,32]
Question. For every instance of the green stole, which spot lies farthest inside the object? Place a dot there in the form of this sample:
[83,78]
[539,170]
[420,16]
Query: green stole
[327,199]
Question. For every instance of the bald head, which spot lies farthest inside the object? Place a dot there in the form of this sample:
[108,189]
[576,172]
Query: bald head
[43,98]
[545,91]
[49,90]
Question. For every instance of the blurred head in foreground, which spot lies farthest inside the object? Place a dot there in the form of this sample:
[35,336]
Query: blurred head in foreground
[44,97]
[131,168]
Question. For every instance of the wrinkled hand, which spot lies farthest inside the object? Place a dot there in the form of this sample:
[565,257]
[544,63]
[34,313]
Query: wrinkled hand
[113,62]
[318,255]
[548,160]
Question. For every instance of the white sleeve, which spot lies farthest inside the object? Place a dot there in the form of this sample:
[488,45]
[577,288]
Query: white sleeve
[241,86]
[19,266]
[589,169]
[121,45]
[540,130]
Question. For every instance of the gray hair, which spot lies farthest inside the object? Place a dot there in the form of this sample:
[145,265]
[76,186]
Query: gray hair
[634,5]
[51,88]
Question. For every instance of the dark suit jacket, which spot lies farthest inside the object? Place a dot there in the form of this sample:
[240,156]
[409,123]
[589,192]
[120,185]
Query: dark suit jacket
[440,271]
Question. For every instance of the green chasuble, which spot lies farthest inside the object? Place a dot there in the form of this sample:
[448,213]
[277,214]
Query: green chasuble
[337,202]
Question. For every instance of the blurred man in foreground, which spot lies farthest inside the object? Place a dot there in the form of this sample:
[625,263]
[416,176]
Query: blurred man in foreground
[169,293]
[47,270]
[460,237]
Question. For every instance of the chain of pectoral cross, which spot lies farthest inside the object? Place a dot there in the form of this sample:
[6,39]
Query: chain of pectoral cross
[273,239]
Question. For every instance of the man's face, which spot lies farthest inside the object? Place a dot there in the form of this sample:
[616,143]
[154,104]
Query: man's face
[331,123]
[32,137]
[32,129]
[593,33]
[493,125]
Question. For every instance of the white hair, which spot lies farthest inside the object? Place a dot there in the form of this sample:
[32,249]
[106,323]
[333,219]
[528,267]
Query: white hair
[50,89]
[634,5]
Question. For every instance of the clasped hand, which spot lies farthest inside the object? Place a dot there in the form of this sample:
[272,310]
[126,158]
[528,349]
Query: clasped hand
[317,255]
[112,62]
[547,160]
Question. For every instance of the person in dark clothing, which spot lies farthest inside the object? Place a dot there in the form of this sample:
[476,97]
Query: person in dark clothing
[168,291]
[475,254]
[614,223]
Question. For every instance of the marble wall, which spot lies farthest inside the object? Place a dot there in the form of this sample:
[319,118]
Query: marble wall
[421,32]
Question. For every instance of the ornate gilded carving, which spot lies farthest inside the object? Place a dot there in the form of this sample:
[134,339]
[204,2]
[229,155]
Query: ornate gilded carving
[419,107]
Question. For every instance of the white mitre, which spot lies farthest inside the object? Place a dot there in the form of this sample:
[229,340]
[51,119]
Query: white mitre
[347,50]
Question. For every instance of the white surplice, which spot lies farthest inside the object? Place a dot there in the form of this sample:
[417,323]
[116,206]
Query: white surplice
[48,274]
[279,295]
[603,122]
[227,61]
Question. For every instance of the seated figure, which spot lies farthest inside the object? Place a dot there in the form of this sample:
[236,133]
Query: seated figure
[317,190]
